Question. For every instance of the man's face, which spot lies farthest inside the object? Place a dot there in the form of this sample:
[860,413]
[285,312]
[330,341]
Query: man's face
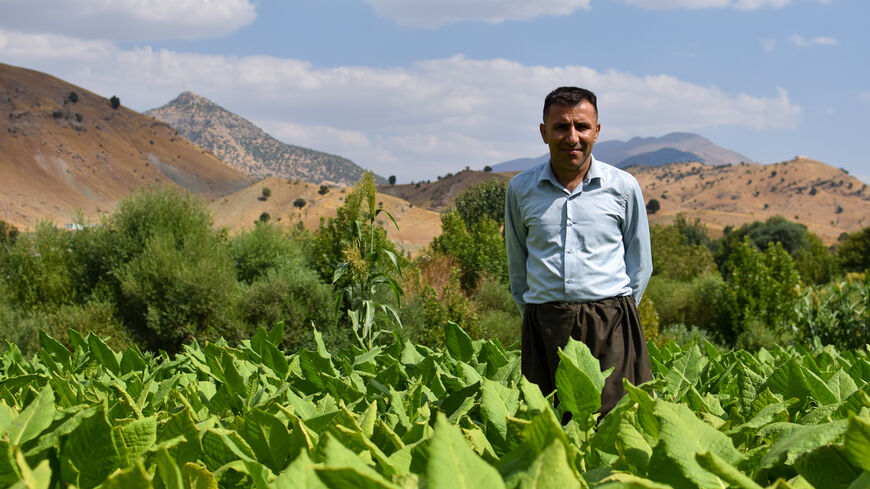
[570,132]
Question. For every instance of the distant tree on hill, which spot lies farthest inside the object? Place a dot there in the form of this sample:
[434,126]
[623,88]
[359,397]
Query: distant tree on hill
[73,97]
[265,217]
[299,203]
[267,192]
[115,102]
[485,199]
[392,179]
[653,206]
[487,168]
[324,189]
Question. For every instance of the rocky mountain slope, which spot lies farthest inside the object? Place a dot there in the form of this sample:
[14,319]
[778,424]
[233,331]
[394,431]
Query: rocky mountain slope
[247,148]
[66,150]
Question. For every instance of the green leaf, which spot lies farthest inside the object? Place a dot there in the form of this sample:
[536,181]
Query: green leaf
[802,438]
[168,470]
[827,466]
[497,402]
[858,442]
[344,469]
[34,419]
[221,446]
[88,454]
[300,474]
[104,355]
[682,436]
[133,439]
[9,471]
[458,343]
[55,350]
[685,372]
[629,481]
[579,382]
[197,476]
[454,465]
[725,471]
[551,469]
[268,437]
[38,478]
[134,477]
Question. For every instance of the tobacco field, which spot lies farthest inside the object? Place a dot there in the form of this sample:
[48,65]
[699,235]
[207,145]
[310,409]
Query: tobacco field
[401,415]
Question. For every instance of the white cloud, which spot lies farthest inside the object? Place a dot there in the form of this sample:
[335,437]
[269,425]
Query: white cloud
[702,4]
[434,13]
[128,19]
[802,41]
[768,44]
[416,122]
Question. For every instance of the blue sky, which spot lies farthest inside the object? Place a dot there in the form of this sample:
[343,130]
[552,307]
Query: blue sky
[420,88]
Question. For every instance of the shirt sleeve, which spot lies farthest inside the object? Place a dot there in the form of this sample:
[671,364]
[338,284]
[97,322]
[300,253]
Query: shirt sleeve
[515,242]
[635,237]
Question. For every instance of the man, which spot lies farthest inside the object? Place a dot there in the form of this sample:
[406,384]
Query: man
[578,251]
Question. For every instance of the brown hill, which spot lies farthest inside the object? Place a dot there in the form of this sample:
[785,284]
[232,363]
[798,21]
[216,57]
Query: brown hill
[827,200]
[66,150]
[441,194]
[417,225]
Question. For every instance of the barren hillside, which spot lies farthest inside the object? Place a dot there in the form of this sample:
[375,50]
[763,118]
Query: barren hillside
[67,150]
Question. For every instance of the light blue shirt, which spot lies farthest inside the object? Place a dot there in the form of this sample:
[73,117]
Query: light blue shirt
[581,246]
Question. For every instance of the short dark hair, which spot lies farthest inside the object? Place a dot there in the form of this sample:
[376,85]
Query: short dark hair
[569,97]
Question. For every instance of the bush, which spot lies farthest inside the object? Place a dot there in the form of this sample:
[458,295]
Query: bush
[837,314]
[698,302]
[479,251]
[432,303]
[853,252]
[499,315]
[297,297]
[115,102]
[37,269]
[299,203]
[265,248]
[684,336]
[481,201]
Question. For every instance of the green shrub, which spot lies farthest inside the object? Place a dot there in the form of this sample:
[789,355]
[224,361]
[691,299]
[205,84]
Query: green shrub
[261,250]
[698,302]
[499,315]
[37,269]
[298,298]
[837,314]
[479,250]
[684,336]
[425,315]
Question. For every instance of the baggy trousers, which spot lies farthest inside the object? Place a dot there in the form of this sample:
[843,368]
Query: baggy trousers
[610,328]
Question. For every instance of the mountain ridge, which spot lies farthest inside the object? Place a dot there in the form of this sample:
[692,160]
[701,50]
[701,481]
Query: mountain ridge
[246,147]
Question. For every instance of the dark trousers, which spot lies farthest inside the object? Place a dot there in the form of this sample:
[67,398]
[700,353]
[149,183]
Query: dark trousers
[610,328]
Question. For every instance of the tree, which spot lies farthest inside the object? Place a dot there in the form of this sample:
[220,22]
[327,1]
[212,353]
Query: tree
[853,252]
[299,203]
[8,232]
[267,192]
[777,229]
[324,189]
[487,168]
[115,102]
[484,200]
[762,288]
[479,249]
[392,179]
[73,97]
[653,206]
[675,258]
[264,217]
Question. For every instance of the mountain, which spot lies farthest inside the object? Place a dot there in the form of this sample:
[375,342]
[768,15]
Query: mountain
[247,148]
[660,157]
[66,151]
[670,148]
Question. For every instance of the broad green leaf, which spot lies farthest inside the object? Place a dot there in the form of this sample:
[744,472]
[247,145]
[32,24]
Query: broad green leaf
[682,436]
[342,468]
[88,454]
[497,402]
[197,476]
[268,437]
[182,424]
[802,438]
[454,465]
[38,478]
[551,469]
[579,382]
[221,446]
[858,442]
[458,343]
[535,400]
[300,474]
[168,470]
[34,419]
[827,466]
[841,385]
[725,471]
[629,481]
[685,371]
[788,380]
[55,350]
[133,477]
[617,434]
[133,439]
[104,355]
[9,472]
[536,436]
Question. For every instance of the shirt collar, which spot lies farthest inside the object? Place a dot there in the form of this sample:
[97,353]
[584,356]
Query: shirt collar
[595,171]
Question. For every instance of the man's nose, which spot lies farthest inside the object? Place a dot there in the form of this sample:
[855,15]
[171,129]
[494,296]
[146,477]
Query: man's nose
[573,135]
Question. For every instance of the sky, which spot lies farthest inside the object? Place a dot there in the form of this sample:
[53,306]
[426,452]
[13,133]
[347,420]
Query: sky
[422,88]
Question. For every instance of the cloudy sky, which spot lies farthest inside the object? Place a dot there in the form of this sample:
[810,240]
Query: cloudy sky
[420,88]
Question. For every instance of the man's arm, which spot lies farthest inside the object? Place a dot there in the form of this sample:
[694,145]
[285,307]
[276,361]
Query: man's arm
[635,237]
[515,242]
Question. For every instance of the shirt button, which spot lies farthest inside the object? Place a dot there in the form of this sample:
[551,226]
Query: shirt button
[570,222]
[569,252]
[568,281]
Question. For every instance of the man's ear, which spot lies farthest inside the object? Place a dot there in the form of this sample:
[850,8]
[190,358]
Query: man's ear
[544,133]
